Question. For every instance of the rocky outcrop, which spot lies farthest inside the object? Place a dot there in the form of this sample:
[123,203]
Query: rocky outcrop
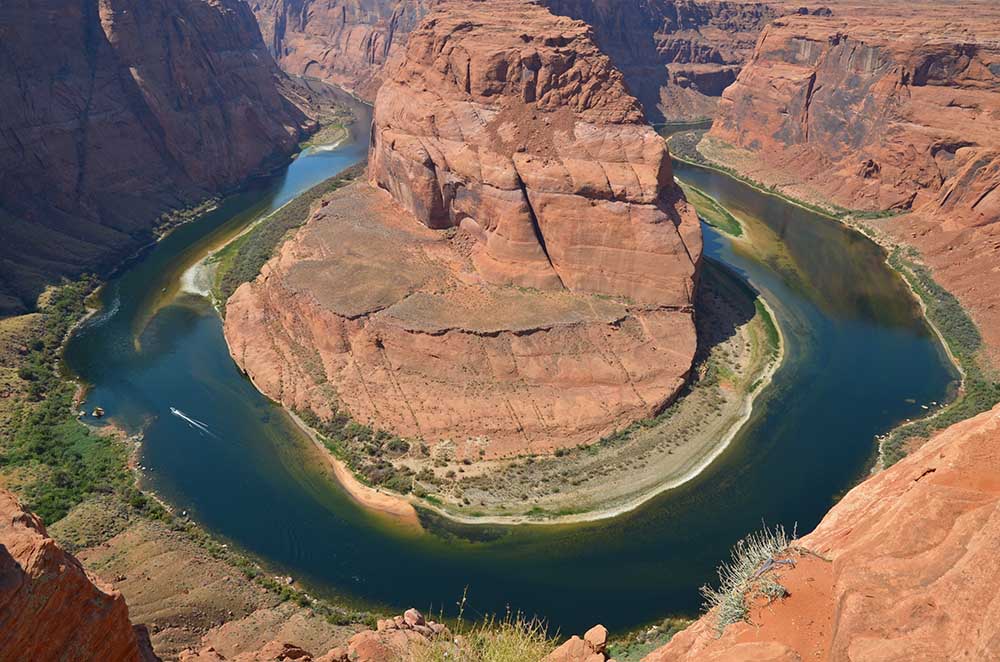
[894,108]
[393,639]
[677,55]
[137,108]
[912,562]
[49,608]
[346,42]
[591,648]
[528,283]
[509,123]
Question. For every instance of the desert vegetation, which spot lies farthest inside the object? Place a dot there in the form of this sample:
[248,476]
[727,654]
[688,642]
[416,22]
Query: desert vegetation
[749,575]
[242,259]
[52,460]
[980,390]
[512,638]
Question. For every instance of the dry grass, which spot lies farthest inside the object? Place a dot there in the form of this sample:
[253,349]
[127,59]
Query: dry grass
[513,638]
[747,576]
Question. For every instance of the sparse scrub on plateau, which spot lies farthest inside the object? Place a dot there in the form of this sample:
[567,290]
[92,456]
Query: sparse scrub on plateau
[513,638]
[748,575]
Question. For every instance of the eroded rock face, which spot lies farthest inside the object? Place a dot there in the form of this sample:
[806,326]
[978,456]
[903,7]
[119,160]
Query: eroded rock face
[136,108]
[367,310]
[677,55]
[912,570]
[524,280]
[890,108]
[509,123]
[49,608]
[346,42]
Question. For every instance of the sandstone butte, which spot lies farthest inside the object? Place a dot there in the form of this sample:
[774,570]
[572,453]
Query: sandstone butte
[120,119]
[49,608]
[894,106]
[517,276]
[676,55]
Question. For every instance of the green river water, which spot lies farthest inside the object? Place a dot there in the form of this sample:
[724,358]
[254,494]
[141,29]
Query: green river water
[860,358]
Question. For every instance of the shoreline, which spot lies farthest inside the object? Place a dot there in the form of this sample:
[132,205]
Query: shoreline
[857,224]
[401,506]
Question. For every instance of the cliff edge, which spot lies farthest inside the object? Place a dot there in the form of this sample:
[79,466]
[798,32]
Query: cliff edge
[908,571]
[50,609]
[518,278]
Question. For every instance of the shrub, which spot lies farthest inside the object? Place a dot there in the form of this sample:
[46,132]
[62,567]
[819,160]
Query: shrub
[515,638]
[742,579]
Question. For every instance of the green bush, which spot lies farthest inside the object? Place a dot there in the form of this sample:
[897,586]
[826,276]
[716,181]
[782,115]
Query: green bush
[241,261]
[980,393]
[67,461]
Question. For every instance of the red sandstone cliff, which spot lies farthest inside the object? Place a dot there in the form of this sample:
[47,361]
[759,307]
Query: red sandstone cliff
[528,284]
[890,108]
[49,608]
[677,55]
[518,129]
[117,110]
[913,570]
[346,42]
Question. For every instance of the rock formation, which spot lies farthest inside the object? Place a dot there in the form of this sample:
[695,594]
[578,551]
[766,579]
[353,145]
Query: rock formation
[393,639]
[591,648]
[49,608]
[135,109]
[534,147]
[912,570]
[345,42]
[894,108]
[677,55]
[527,285]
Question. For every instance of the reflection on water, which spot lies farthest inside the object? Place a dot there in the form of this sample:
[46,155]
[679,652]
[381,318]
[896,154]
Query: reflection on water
[860,359]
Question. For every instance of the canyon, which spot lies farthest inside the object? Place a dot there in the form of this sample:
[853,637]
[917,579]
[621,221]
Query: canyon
[676,55]
[515,274]
[883,112]
[521,244]
[138,109]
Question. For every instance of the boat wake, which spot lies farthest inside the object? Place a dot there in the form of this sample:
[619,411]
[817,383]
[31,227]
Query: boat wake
[193,422]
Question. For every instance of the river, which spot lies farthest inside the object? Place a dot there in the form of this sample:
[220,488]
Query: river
[860,358]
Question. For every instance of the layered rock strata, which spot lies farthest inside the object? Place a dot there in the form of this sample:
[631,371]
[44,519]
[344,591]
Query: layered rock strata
[345,42]
[511,124]
[890,109]
[677,55]
[911,565]
[527,281]
[50,609]
[135,109]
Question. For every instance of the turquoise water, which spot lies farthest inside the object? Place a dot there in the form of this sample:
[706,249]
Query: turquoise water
[860,359]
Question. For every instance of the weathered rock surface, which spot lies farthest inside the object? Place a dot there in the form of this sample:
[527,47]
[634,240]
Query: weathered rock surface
[509,122]
[677,55]
[591,648]
[346,42]
[555,307]
[368,310]
[913,570]
[135,109]
[49,608]
[888,107]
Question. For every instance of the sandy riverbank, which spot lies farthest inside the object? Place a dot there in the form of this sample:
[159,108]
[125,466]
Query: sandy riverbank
[616,491]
